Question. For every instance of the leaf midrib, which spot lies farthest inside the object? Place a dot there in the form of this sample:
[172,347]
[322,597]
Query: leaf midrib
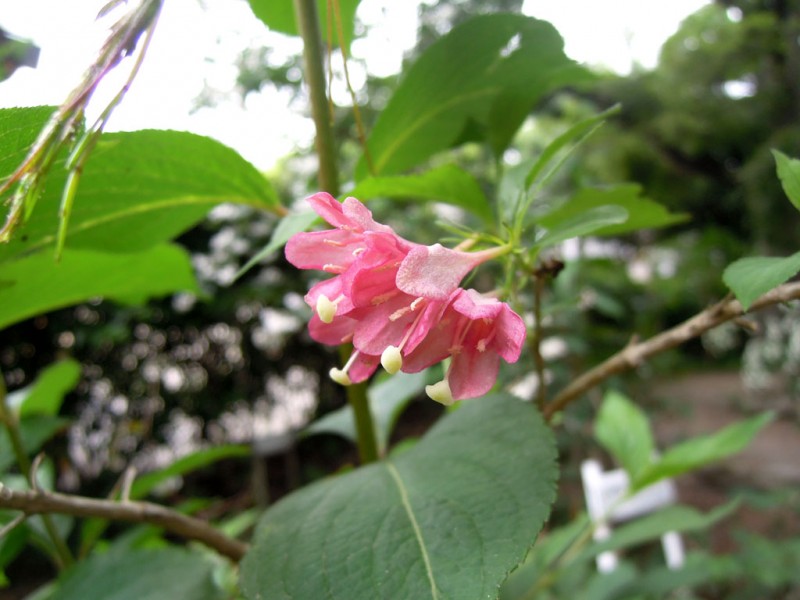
[426,117]
[119,215]
[401,488]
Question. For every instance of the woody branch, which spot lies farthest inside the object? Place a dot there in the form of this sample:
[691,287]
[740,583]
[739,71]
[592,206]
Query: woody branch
[635,354]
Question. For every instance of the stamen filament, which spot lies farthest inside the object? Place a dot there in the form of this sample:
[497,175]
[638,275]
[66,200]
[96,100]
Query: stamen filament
[340,376]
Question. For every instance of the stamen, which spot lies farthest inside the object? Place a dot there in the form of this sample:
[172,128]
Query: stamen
[335,243]
[358,251]
[336,269]
[399,313]
[440,392]
[326,308]
[381,298]
[387,266]
[392,359]
[340,376]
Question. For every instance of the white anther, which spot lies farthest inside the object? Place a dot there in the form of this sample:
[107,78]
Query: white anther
[340,376]
[392,359]
[326,309]
[440,392]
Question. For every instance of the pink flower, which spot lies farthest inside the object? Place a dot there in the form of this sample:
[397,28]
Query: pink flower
[397,301]
[476,331]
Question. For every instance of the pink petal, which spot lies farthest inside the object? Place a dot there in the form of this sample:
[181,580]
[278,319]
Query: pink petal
[474,305]
[472,374]
[364,366]
[332,288]
[327,207]
[434,271]
[510,335]
[331,334]
[434,348]
[360,217]
[316,249]
[376,330]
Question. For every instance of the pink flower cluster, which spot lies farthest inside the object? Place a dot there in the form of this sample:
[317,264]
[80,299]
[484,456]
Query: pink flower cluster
[400,303]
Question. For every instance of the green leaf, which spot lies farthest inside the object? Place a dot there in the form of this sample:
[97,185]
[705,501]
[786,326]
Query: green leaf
[577,133]
[447,183]
[583,223]
[35,432]
[789,174]
[643,213]
[473,75]
[138,189]
[154,574]
[186,464]
[446,519]
[700,451]
[651,527]
[279,15]
[387,399]
[288,226]
[749,278]
[45,395]
[18,130]
[37,284]
[623,429]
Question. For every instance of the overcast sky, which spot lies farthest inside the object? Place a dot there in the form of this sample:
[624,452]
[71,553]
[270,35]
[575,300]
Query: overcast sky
[197,43]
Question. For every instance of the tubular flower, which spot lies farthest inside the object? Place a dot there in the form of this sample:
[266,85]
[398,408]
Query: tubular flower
[399,303]
[475,331]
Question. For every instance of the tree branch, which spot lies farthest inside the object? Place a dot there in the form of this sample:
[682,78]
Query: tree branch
[634,354]
[39,502]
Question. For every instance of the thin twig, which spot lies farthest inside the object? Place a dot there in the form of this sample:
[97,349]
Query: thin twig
[635,354]
[362,136]
[61,555]
[536,341]
[30,502]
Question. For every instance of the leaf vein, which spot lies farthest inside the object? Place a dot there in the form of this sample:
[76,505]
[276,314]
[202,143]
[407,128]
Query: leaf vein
[415,526]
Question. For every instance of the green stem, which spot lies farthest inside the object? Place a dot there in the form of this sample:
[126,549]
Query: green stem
[61,556]
[308,23]
[536,341]
[365,424]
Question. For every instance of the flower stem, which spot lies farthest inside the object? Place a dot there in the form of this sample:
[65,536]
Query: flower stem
[365,424]
[536,342]
[308,24]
